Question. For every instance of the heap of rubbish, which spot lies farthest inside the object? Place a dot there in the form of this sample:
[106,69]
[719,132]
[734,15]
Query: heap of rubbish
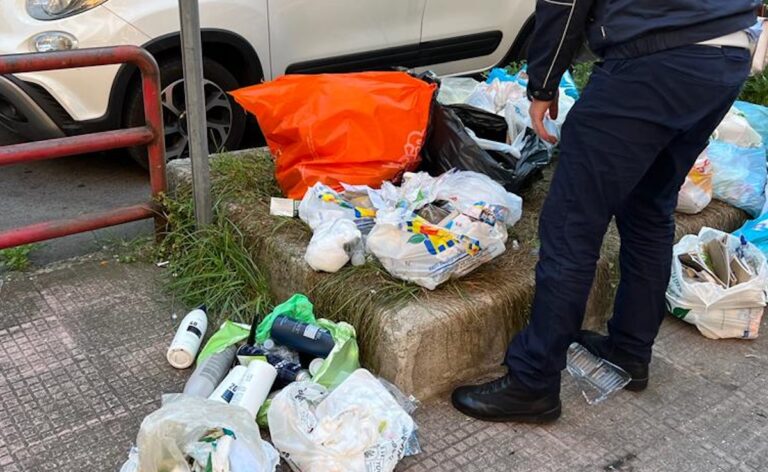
[291,373]
[424,176]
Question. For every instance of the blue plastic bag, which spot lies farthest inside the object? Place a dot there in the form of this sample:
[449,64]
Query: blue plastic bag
[567,83]
[755,232]
[739,176]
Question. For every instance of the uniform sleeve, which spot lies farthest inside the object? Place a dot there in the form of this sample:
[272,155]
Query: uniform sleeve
[558,35]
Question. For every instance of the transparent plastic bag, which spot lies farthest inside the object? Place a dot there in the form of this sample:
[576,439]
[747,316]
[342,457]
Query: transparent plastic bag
[183,426]
[736,130]
[410,404]
[456,89]
[358,427]
[739,176]
[696,193]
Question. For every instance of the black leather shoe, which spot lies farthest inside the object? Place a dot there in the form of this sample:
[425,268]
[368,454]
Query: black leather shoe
[601,346]
[505,399]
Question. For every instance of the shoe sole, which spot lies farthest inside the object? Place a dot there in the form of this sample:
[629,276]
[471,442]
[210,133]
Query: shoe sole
[637,385]
[539,418]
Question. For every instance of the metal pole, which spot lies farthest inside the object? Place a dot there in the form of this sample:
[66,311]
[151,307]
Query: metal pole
[192,55]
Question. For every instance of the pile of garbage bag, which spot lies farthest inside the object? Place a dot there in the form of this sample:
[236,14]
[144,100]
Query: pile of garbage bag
[718,284]
[733,167]
[485,127]
[369,128]
[292,373]
[427,230]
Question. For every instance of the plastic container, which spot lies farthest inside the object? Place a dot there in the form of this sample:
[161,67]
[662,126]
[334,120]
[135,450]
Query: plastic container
[183,349]
[315,366]
[227,388]
[303,337]
[257,382]
[597,378]
[210,373]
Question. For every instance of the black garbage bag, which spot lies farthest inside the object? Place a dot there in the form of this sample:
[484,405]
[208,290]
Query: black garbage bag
[485,124]
[449,146]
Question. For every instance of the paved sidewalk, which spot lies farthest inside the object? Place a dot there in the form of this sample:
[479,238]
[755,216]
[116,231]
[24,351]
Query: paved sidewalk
[82,361]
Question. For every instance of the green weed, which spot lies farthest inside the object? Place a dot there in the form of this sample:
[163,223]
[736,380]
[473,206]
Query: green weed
[16,258]
[213,265]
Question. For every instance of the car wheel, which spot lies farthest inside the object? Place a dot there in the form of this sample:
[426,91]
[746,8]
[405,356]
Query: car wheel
[226,120]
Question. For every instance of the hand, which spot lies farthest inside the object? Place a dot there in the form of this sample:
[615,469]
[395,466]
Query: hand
[538,111]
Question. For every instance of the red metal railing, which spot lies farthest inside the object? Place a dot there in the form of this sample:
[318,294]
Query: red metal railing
[150,135]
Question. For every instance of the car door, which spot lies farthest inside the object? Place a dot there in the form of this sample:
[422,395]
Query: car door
[310,36]
[461,36]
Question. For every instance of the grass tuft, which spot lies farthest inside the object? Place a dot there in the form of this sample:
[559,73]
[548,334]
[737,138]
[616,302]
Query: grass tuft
[213,265]
[16,258]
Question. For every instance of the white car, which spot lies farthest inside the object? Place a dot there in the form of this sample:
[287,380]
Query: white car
[244,42]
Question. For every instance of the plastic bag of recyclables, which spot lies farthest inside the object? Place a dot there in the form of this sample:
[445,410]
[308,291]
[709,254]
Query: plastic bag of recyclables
[357,427]
[338,222]
[190,434]
[732,309]
[696,192]
[431,230]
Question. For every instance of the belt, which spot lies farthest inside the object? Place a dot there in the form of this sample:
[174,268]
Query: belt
[739,39]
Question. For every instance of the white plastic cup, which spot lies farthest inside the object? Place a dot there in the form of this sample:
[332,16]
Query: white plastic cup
[253,390]
[225,392]
[183,350]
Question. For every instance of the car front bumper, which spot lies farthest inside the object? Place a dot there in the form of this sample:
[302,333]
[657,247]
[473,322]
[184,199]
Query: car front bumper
[22,115]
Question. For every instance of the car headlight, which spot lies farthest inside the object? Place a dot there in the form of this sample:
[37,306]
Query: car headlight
[57,9]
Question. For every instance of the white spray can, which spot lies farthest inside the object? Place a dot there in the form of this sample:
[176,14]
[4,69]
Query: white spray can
[252,391]
[183,350]
[227,388]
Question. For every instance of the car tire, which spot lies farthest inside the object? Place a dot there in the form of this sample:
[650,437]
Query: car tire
[226,119]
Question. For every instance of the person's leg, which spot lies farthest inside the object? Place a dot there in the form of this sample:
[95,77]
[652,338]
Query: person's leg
[605,152]
[631,111]
[647,228]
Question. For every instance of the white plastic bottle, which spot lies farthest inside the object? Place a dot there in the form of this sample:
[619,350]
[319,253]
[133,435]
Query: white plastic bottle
[183,350]
[227,388]
[252,391]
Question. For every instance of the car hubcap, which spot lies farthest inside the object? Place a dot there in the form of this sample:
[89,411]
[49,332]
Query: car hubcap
[218,113]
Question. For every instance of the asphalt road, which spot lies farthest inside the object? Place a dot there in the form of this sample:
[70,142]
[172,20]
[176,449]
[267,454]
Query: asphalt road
[67,187]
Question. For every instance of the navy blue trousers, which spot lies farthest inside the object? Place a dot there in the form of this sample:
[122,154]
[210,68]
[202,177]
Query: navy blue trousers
[626,148]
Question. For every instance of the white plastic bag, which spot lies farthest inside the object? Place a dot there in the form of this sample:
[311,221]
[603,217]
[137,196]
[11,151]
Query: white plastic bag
[358,427]
[322,204]
[517,114]
[456,89]
[172,434]
[736,130]
[696,193]
[412,249]
[333,244]
[470,191]
[494,97]
[716,311]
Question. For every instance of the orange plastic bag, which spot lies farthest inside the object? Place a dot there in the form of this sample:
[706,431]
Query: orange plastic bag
[359,129]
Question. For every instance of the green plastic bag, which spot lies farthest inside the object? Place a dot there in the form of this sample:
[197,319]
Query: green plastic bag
[343,359]
[340,363]
[297,307]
